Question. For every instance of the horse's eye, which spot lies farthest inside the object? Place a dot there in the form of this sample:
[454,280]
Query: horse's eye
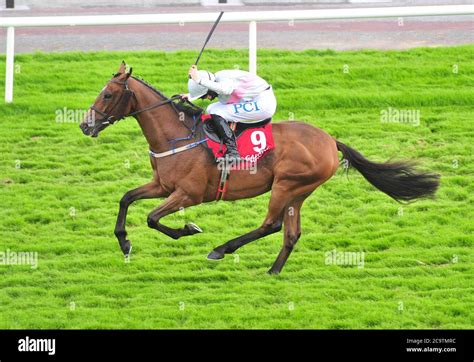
[107,96]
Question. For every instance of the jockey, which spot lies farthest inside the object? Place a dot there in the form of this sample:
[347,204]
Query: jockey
[243,97]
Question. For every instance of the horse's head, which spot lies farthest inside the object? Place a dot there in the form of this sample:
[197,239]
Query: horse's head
[112,104]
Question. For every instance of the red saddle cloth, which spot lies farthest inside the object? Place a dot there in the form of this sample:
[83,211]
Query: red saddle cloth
[253,143]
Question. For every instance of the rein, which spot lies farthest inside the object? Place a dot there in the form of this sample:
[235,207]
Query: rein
[122,102]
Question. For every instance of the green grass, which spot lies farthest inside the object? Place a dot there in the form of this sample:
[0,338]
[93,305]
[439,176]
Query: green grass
[418,269]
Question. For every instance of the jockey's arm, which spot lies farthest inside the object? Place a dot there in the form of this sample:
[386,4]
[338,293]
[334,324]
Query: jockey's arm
[225,87]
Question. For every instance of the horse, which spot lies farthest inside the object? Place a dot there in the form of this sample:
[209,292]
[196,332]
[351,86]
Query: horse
[303,159]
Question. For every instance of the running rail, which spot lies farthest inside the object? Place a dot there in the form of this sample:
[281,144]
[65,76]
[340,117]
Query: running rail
[251,17]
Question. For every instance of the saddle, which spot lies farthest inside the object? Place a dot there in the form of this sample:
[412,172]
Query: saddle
[237,127]
[254,141]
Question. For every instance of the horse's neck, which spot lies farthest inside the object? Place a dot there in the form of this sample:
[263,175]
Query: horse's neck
[160,125]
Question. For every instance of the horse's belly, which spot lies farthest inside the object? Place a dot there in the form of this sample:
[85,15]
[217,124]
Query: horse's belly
[243,185]
[252,181]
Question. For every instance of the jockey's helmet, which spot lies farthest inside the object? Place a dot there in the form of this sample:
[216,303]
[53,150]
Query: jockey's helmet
[197,90]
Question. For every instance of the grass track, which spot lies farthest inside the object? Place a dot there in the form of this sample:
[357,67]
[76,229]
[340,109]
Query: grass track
[418,260]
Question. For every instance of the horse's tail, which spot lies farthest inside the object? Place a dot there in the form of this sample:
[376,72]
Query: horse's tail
[398,180]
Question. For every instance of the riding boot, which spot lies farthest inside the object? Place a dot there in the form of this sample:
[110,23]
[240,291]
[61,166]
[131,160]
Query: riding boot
[226,135]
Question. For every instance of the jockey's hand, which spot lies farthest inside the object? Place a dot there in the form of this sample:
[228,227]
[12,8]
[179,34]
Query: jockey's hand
[184,96]
[193,73]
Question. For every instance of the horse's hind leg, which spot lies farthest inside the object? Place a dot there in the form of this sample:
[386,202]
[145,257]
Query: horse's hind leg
[292,232]
[272,224]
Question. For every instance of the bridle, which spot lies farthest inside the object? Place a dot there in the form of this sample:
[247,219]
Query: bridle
[122,103]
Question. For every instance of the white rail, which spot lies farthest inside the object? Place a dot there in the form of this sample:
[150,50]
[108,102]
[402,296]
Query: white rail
[252,17]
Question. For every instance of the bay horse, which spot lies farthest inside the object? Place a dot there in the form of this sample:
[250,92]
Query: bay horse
[304,158]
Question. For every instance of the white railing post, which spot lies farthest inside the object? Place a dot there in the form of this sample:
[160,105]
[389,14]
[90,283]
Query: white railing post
[10,64]
[253,47]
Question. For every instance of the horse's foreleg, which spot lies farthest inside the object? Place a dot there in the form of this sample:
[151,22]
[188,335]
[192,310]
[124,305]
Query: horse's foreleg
[178,200]
[292,226]
[272,224]
[149,191]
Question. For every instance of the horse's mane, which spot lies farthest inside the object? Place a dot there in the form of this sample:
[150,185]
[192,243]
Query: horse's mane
[149,86]
[187,108]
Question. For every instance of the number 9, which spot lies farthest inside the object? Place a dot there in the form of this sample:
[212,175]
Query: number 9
[258,140]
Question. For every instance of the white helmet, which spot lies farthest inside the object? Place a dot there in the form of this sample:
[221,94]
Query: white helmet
[197,90]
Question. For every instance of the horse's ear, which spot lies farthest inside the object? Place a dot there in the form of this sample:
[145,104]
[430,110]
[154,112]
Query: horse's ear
[122,67]
[129,72]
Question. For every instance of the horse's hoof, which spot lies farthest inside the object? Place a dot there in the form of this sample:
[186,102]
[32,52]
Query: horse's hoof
[193,228]
[214,255]
[126,247]
[273,272]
